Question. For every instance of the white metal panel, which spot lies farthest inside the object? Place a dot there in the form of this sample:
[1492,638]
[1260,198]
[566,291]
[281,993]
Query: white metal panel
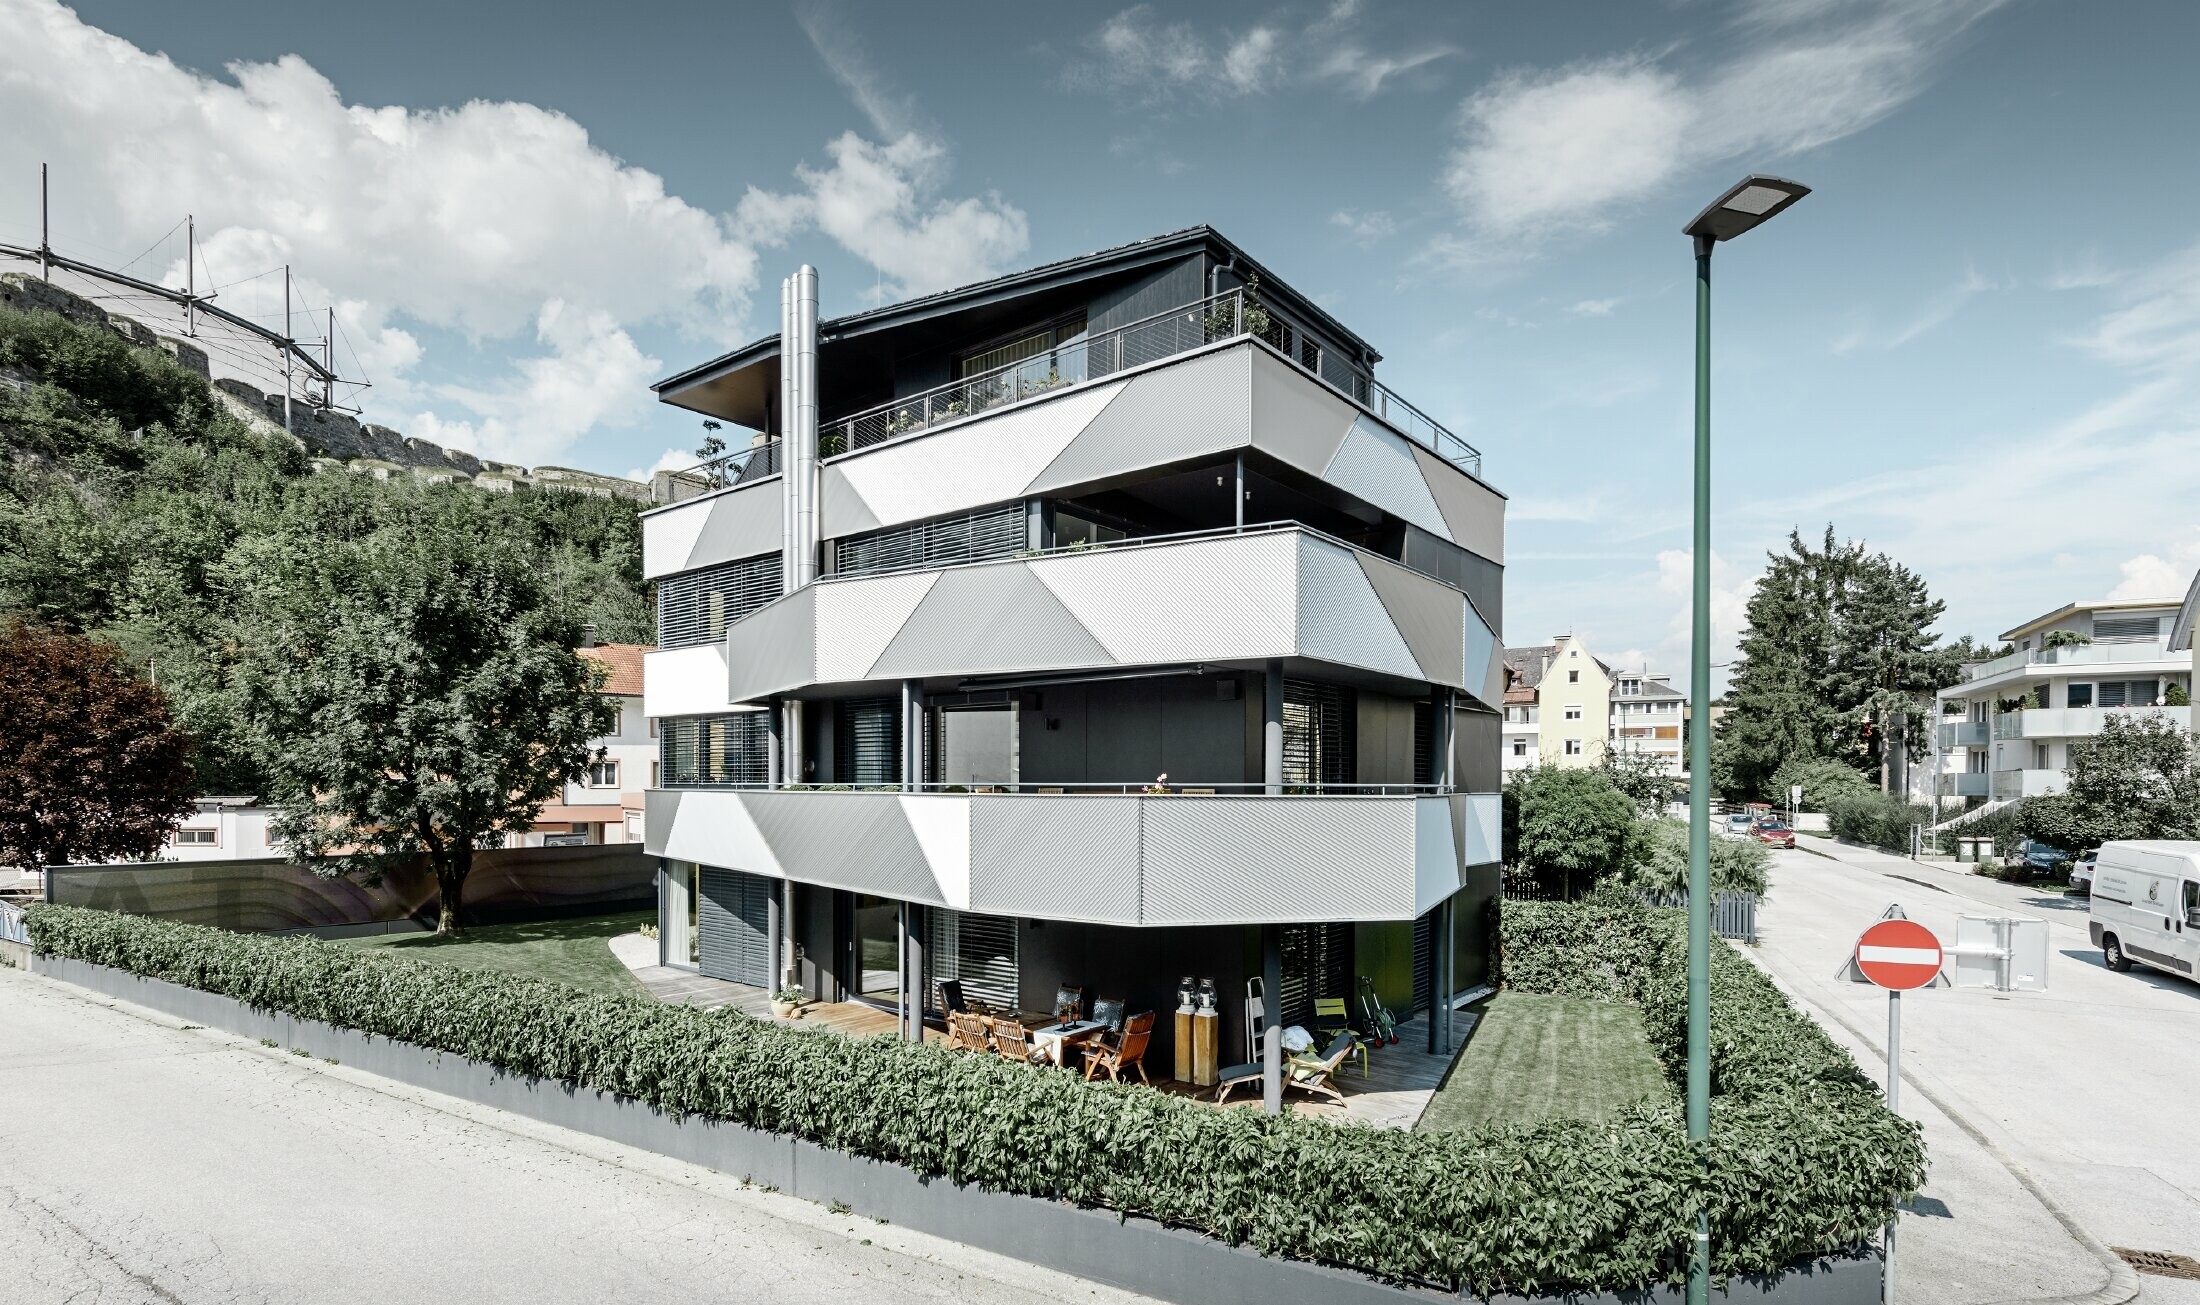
[1482,824]
[1214,599]
[1056,857]
[1377,463]
[741,523]
[1341,618]
[668,536]
[708,827]
[992,617]
[983,460]
[1436,864]
[861,617]
[941,823]
[773,648]
[1200,405]
[1222,860]
[1482,671]
[685,681]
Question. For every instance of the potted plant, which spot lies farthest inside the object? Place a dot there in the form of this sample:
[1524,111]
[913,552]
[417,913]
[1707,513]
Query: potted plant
[787,1003]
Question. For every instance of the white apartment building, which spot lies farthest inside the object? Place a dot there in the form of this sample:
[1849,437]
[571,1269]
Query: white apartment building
[1520,738]
[1646,718]
[2005,731]
[221,829]
[606,804]
[1566,705]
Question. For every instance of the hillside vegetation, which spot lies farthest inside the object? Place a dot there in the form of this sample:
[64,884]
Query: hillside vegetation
[129,494]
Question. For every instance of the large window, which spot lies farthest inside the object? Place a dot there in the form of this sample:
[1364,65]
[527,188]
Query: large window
[978,951]
[997,531]
[706,751]
[697,606]
[867,742]
[2081,695]
[1048,341]
[2126,629]
[1320,722]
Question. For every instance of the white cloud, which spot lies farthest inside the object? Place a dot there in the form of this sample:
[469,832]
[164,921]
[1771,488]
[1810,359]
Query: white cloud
[1250,60]
[669,460]
[1362,74]
[589,377]
[2152,576]
[1590,505]
[1731,587]
[1365,228]
[1145,60]
[1934,313]
[1593,307]
[1545,152]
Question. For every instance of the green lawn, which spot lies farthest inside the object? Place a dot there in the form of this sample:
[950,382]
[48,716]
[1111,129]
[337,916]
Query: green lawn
[570,951]
[1533,1056]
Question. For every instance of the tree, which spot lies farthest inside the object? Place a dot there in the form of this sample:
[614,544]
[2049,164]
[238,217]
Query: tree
[1568,827]
[92,766]
[1737,863]
[1888,663]
[2138,778]
[1642,776]
[410,677]
[1822,779]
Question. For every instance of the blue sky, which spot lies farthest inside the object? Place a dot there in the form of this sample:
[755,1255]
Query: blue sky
[1977,345]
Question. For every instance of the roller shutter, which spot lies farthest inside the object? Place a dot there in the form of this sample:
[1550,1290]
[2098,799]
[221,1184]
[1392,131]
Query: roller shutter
[733,914]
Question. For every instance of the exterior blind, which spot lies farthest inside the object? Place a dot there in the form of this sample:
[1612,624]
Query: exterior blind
[867,741]
[732,923]
[2126,629]
[1424,961]
[996,531]
[712,751]
[1424,743]
[697,606]
[1317,962]
[977,950]
[1318,727]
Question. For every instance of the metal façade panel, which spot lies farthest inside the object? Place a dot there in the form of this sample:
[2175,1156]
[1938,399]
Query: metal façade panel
[1296,418]
[684,681]
[1426,613]
[858,841]
[731,524]
[669,535]
[1169,414]
[1475,512]
[1378,464]
[1203,600]
[1056,857]
[994,617]
[860,618]
[1225,860]
[774,649]
[1340,617]
[983,460]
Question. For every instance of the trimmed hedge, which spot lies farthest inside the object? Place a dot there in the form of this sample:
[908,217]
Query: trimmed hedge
[1562,1202]
[1876,819]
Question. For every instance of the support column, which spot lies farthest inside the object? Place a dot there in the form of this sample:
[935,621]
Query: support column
[1451,968]
[912,736]
[775,742]
[775,933]
[1442,765]
[1271,731]
[1271,989]
[796,768]
[1035,524]
[1238,511]
[912,972]
[1435,973]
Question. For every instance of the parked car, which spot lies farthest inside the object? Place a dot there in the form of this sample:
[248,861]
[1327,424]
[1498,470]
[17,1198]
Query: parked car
[1775,834]
[2035,858]
[1738,825]
[2146,905]
[2081,873]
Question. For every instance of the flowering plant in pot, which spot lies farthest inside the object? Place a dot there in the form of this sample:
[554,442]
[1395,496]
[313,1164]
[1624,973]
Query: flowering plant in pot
[787,1003]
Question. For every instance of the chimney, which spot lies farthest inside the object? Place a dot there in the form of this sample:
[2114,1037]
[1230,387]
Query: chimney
[588,635]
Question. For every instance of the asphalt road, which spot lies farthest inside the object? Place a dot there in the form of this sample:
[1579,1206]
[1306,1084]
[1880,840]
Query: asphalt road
[2090,1085]
[143,1160]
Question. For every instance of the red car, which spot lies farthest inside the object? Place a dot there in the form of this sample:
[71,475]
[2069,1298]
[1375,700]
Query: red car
[1776,835]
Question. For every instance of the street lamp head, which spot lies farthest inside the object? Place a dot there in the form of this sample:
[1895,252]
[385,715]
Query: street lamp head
[1752,200]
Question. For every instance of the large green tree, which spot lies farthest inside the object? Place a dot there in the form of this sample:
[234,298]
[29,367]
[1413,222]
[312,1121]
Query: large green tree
[409,680]
[1568,827]
[1837,660]
[92,766]
[2138,778]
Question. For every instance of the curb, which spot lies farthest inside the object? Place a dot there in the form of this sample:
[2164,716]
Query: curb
[2123,1281]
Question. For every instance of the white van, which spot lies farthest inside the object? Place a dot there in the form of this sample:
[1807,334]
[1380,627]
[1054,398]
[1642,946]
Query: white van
[2146,905]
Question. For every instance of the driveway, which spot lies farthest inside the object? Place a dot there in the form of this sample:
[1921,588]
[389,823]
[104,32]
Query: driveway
[2089,1085]
[147,1160]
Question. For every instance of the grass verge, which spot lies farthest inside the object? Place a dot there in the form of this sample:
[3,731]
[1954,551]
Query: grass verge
[572,952]
[1540,1056]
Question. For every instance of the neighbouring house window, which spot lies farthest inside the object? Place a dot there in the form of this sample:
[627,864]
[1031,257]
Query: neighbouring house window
[2039,756]
[1573,677]
[603,774]
[2081,695]
[195,837]
[1520,747]
[1573,747]
[1573,711]
[2127,693]
[2125,629]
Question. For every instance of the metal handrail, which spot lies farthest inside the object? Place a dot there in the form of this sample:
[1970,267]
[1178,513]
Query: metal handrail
[1233,314]
[1114,788]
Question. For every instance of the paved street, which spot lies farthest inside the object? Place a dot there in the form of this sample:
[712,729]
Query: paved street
[2088,1085]
[149,1161]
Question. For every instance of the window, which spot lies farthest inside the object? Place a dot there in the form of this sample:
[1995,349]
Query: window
[704,750]
[696,607]
[195,838]
[603,774]
[2127,693]
[2081,695]
[1520,747]
[2125,629]
[1319,723]
[1573,747]
[1573,711]
[996,531]
[867,742]
[1573,677]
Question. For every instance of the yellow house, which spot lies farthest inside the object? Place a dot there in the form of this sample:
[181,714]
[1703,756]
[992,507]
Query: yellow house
[1573,695]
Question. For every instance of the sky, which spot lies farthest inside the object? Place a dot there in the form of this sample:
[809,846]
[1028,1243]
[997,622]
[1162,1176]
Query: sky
[1975,345]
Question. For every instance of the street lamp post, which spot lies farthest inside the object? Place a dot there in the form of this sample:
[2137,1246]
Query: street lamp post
[1750,202]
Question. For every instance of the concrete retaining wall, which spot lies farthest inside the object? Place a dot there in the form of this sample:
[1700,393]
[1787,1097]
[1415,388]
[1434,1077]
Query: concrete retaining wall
[1134,1254]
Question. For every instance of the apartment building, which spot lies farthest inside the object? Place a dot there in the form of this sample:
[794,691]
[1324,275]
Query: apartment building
[2006,729]
[1520,740]
[1101,624]
[1646,718]
[606,805]
[221,829]
[1566,705]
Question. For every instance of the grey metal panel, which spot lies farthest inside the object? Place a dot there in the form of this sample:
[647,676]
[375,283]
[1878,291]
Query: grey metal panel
[1340,617]
[858,841]
[841,510]
[1064,857]
[1295,417]
[1378,464]
[1165,415]
[992,617]
[1223,860]
[660,810]
[730,925]
[859,619]
[1172,285]
[740,524]
[1426,614]
[1475,512]
[774,649]
[1482,660]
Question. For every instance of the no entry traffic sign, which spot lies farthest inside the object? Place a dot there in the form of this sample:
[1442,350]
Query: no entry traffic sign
[1899,955]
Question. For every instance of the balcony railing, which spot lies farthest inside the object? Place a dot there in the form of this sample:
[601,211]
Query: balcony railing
[1963,734]
[1230,315]
[2090,654]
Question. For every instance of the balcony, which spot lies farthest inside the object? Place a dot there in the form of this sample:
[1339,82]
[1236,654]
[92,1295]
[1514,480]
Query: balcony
[1964,734]
[2077,722]
[1967,784]
[1125,859]
[1215,598]
[2079,657]
[2012,784]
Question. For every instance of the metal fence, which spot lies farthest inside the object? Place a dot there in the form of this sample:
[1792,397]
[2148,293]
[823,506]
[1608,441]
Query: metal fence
[1733,911]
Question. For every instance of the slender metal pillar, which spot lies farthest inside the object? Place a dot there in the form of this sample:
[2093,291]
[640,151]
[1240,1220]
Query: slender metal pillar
[1435,972]
[1441,762]
[1239,496]
[1271,1034]
[1445,1016]
[912,972]
[797,765]
[1271,732]
[1699,783]
[775,740]
[45,230]
[802,451]
[775,933]
[1894,1107]
[191,275]
[287,349]
[912,736]
[1035,524]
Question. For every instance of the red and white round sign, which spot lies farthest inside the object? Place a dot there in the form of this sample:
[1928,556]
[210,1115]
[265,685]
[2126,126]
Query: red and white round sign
[1898,954]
